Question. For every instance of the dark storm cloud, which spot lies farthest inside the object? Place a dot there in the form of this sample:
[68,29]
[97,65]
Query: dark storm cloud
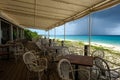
[105,22]
[111,14]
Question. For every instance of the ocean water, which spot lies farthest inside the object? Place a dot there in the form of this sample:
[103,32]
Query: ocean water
[107,39]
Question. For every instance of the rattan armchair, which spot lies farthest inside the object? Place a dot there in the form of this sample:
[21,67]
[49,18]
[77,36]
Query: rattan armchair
[35,64]
[66,71]
[103,70]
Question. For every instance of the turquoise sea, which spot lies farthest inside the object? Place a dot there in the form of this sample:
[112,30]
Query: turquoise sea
[107,39]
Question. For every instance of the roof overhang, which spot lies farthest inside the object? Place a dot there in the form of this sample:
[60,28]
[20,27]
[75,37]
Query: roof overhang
[47,14]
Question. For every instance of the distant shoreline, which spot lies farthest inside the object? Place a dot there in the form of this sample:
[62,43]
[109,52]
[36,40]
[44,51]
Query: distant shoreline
[107,46]
[98,44]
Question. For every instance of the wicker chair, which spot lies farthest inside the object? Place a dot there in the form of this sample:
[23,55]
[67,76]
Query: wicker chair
[66,72]
[16,48]
[35,64]
[63,51]
[104,72]
[98,53]
[18,51]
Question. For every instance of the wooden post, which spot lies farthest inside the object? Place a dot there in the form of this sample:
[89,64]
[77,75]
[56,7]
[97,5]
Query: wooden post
[86,50]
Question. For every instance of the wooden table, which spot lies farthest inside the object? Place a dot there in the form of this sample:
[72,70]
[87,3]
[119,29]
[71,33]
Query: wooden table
[80,60]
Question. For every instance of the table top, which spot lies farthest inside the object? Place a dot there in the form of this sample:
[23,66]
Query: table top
[80,60]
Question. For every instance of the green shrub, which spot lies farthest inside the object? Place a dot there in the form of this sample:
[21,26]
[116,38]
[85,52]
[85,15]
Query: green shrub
[29,34]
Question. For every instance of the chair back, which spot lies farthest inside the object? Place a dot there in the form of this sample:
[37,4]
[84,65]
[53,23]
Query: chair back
[65,69]
[30,60]
[20,48]
[38,43]
[65,51]
[104,70]
[98,53]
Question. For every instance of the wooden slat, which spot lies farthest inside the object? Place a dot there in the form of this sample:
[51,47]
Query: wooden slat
[11,70]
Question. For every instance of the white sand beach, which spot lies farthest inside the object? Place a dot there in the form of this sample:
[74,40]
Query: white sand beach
[107,46]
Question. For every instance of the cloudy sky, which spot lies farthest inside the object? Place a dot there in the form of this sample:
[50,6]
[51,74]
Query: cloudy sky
[105,22]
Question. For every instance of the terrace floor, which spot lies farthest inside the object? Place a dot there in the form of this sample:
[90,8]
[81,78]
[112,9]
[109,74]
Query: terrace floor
[11,70]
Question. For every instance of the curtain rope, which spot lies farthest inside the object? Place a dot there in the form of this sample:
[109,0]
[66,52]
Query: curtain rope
[64,32]
[34,12]
[54,33]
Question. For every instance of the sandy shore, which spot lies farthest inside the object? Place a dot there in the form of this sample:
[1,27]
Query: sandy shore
[107,46]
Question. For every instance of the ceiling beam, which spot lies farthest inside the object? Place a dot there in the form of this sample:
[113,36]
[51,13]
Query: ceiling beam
[36,27]
[37,14]
[19,6]
[45,6]
[66,2]
[28,14]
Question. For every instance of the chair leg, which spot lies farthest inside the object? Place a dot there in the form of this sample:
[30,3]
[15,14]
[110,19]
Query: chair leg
[28,74]
[39,77]
[16,58]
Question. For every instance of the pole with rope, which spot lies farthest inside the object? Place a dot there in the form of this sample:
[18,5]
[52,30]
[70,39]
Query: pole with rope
[48,34]
[87,48]
[54,33]
[34,17]
[90,30]
[63,42]
[34,13]
[64,32]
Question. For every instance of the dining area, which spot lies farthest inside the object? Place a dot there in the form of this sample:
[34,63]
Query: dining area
[54,66]
[68,65]
[46,61]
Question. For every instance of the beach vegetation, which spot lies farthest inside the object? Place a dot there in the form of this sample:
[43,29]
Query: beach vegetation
[29,35]
[81,43]
[111,55]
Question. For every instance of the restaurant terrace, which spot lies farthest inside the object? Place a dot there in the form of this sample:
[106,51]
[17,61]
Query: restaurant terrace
[45,58]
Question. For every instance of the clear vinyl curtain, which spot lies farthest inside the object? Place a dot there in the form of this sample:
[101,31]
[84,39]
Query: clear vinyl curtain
[90,30]
[64,32]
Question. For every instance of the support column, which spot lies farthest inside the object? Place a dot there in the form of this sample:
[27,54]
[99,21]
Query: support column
[90,28]
[23,34]
[54,33]
[17,33]
[64,32]
[11,32]
[0,32]
[20,33]
[48,34]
